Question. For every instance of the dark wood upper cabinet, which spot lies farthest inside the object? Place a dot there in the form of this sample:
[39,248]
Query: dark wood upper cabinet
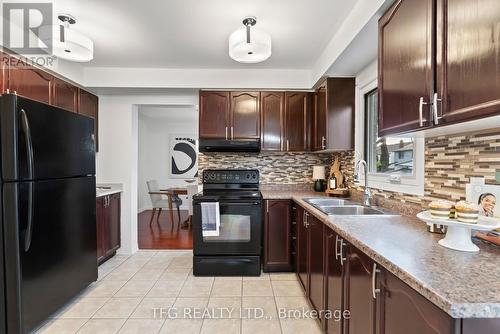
[88,105]
[272,108]
[468,63]
[316,256]
[277,236]
[403,310]
[334,281]
[318,141]
[30,82]
[301,265]
[65,95]
[405,66]
[359,294]
[297,107]
[214,115]
[245,115]
[334,114]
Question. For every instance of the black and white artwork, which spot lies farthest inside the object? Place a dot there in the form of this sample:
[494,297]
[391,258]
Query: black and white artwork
[183,157]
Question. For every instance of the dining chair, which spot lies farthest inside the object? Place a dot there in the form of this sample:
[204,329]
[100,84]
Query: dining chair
[159,202]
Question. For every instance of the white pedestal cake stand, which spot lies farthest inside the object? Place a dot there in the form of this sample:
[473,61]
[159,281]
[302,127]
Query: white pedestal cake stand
[458,235]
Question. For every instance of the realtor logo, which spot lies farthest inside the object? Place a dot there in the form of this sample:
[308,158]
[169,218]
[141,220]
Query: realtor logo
[27,27]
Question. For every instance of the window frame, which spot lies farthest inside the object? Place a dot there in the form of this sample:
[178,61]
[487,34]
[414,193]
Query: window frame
[412,185]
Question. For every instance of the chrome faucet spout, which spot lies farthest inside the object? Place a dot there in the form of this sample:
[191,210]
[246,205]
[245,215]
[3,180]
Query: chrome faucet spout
[367,197]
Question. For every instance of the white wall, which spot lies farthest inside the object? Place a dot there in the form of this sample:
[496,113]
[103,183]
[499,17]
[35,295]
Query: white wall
[154,159]
[117,160]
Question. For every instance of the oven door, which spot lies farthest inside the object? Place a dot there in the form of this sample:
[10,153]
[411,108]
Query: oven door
[239,233]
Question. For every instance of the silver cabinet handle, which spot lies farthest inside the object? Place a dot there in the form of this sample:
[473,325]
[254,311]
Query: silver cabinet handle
[267,206]
[323,142]
[421,110]
[307,220]
[435,101]
[287,145]
[337,247]
[342,258]
[226,133]
[304,218]
[374,278]
[232,132]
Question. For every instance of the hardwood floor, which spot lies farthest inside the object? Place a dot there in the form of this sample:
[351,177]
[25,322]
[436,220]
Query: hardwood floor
[161,236]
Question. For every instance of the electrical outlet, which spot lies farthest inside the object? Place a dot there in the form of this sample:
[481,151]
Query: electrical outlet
[497,176]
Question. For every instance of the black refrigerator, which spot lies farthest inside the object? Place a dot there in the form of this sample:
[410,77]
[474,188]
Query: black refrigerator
[48,226]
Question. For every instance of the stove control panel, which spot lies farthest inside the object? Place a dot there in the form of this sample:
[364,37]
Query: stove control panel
[231,176]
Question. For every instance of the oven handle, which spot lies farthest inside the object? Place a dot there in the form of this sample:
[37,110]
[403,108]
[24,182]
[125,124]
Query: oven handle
[233,203]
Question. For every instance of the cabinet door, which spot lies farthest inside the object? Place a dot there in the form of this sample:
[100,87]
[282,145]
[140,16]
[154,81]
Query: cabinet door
[65,95]
[113,224]
[30,82]
[277,236]
[405,66]
[302,249]
[468,59]
[272,120]
[316,255]
[341,108]
[403,310]
[334,281]
[359,296]
[296,121]
[319,119]
[100,222]
[214,115]
[245,115]
[88,105]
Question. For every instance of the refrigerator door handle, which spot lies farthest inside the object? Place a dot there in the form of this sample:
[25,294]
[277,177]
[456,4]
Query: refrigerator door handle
[29,150]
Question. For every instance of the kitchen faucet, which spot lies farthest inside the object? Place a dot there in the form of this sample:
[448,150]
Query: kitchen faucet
[367,198]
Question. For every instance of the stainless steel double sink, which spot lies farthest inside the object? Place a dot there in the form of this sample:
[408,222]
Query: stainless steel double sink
[342,207]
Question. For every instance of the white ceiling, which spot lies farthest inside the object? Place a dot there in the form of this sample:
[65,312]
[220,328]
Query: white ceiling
[193,33]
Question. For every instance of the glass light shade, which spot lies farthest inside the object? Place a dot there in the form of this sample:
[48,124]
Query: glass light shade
[258,50]
[318,172]
[76,46]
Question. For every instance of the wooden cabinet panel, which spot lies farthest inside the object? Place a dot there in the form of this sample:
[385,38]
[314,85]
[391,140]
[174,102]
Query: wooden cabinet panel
[405,66]
[318,141]
[65,95]
[277,236]
[403,310]
[316,255]
[297,121]
[100,222]
[245,115]
[114,223]
[334,282]
[359,296]
[302,249]
[272,120]
[214,115]
[341,101]
[468,59]
[88,105]
[30,82]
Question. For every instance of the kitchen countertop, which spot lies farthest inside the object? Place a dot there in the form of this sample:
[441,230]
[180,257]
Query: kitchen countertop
[113,189]
[465,285]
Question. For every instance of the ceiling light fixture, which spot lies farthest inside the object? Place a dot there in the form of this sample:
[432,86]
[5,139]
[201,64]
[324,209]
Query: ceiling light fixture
[249,46]
[70,44]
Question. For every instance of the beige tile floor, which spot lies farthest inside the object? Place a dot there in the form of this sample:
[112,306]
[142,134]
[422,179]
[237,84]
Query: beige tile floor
[130,288]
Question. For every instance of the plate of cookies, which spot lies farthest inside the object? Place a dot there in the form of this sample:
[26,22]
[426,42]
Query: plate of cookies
[460,218]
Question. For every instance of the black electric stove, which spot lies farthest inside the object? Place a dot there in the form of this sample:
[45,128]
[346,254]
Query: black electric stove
[236,250]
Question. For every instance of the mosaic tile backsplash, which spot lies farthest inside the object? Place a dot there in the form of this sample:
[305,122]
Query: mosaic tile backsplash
[274,167]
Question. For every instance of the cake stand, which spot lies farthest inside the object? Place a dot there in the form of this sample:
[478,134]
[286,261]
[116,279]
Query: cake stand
[458,235]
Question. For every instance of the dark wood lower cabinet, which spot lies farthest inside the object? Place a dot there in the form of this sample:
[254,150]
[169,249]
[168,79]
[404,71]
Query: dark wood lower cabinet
[316,260]
[108,210]
[277,236]
[301,265]
[334,283]
[359,299]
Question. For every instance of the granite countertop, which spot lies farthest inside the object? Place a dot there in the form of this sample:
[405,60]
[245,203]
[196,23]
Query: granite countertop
[105,189]
[465,285]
